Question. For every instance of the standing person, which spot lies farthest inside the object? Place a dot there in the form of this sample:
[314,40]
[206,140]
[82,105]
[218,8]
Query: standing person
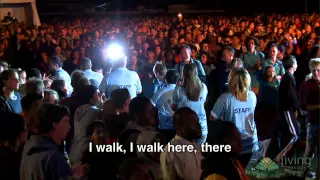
[238,106]
[186,165]
[186,59]
[273,61]
[85,66]
[310,102]
[121,78]
[163,102]
[192,93]
[41,157]
[55,65]
[288,107]
[252,62]
[9,97]
[13,134]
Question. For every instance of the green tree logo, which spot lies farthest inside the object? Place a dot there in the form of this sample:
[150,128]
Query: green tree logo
[267,164]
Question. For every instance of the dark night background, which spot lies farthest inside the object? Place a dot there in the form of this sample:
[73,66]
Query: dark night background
[244,7]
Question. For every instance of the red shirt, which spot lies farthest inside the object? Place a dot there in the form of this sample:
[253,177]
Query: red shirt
[310,95]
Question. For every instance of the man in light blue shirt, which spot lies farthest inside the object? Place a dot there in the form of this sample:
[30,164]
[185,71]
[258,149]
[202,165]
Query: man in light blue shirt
[55,65]
[163,101]
[186,59]
[95,77]
[121,78]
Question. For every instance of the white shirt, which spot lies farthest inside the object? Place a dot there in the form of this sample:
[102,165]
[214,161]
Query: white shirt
[121,78]
[63,75]
[91,75]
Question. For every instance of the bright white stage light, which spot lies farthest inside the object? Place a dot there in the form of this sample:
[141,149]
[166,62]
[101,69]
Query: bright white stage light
[114,51]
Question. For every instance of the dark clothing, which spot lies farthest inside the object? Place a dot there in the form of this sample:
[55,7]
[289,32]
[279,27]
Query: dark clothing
[9,164]
[310,95]
[69,66]
[42,159]
[288,98]
[219,78]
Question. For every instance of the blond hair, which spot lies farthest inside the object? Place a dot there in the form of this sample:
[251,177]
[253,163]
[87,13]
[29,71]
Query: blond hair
[191,82]
[239,83]
[313,63]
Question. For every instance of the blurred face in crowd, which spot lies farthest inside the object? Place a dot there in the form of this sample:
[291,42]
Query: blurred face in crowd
[151,55]
[61,129]
[58,50]
[158,50]
[95,98]
[205,47]
[99,135]
[23,77]
[185,54]
[12,83]
[2,47]
[251,45]
[227,55]
[316,73]
[235,40]
[204,59]
[50,98]
[270,72]
[227,41]
[273,52]
[194,53]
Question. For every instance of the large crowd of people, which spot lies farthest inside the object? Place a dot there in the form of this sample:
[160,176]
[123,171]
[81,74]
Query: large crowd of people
[250,82]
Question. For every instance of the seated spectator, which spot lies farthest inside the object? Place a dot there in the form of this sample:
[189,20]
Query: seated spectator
[9,97]
[41,156]
[13,134]
[185,165]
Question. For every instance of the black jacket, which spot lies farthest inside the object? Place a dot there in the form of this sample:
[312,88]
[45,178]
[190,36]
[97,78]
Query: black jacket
[288,97]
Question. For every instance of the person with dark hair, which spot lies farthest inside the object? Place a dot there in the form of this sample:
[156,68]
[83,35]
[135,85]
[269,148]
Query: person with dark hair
[34,73]
[273,61]
[72,64]
[281,52]
[85,66]
[163,101]
[9,98]
[186,165]
[83,117]
[60,87]
[41,156]
[252,60]
[120,99]
[75,79]
[186,59]
[152,85]
[50,96]
[288,105]
[225,164]
[143,117]
[29,104]
[13,134]
[55,65]
[192,93]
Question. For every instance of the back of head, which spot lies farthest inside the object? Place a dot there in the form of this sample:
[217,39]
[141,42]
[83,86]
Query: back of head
[28,100]
[137,106]
[48,93]
[34,86]
[119,97]
[85,64]
[171,76]
[47,115]
[75,78]
[85,94]
[11,126]
[34,73]
[181,115]
[191,82]
[236,63]
[55,60]
[239,83]
[288,62]
[160,69]
[116,123]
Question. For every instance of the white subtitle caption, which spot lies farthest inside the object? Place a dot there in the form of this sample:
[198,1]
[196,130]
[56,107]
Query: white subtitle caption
[157,147]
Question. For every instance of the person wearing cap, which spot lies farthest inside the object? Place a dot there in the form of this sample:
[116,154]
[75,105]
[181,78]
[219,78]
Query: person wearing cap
[85,66]
[55,65]
[186,59]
